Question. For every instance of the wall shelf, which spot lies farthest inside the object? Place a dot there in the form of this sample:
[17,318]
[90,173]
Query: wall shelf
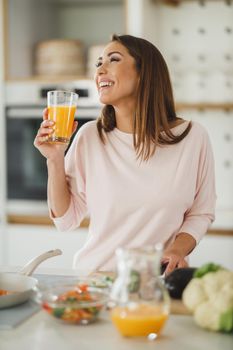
[47,79]
[204,105]
[179,2]
[38,21]
[37,220]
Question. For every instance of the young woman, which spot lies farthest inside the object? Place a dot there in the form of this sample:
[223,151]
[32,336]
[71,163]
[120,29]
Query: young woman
[143,174]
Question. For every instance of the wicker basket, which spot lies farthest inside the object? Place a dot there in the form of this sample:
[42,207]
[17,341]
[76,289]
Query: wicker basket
[59,57]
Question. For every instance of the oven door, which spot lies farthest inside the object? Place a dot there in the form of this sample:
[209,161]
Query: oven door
[26,167]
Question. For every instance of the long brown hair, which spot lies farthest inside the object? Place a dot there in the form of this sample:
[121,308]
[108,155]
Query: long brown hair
[155,108]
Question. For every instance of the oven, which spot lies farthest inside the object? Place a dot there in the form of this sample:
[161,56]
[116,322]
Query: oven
[26,167]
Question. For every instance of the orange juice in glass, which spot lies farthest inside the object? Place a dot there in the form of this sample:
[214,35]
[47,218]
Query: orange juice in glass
[61,109]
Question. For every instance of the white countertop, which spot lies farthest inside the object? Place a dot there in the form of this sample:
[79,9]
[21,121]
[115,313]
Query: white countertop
[41,331]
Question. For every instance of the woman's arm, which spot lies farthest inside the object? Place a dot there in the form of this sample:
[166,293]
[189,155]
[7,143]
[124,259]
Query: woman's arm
[199,216]
[58,192]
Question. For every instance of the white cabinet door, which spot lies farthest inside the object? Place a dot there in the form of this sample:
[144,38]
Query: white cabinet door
[25,242]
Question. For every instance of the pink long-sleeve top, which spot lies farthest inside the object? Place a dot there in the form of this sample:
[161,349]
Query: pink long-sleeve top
[133,203]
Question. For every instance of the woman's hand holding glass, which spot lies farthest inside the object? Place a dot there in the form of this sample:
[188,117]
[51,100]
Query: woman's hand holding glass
[49,150]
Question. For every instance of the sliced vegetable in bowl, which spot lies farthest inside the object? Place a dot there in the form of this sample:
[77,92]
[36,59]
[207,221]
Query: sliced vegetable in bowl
[101,281]
[77,303]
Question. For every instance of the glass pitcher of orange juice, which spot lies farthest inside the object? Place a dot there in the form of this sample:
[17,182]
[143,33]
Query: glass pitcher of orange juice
[141,301]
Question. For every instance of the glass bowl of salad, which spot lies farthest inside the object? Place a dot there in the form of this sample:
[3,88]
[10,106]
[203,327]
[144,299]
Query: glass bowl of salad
[76,302]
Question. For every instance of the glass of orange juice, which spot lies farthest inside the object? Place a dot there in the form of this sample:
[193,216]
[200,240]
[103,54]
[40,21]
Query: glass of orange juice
[141,303]
[61,109]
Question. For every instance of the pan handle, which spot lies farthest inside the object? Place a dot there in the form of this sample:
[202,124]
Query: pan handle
[32,264]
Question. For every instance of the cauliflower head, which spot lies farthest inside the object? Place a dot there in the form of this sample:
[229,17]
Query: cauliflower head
[210,298]
[194,294]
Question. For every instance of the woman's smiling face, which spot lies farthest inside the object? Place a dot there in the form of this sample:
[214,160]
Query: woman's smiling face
[116,75]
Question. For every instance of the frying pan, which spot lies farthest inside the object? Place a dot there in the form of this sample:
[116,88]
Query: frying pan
[21,283]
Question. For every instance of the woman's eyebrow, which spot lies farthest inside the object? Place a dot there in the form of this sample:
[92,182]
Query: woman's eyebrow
[113,52]
[109,54]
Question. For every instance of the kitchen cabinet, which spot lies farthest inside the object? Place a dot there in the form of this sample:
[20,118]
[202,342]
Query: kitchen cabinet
[27,241]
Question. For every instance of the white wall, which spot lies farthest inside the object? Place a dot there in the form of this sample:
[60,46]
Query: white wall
[217,249]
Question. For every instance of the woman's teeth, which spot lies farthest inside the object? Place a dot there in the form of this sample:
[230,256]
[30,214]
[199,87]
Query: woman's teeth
[105,83]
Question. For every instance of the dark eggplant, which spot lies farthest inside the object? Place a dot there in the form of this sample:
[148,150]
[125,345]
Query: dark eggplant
[177,280]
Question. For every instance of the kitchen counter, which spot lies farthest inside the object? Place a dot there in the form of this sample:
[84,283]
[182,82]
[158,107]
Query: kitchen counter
[41,331]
